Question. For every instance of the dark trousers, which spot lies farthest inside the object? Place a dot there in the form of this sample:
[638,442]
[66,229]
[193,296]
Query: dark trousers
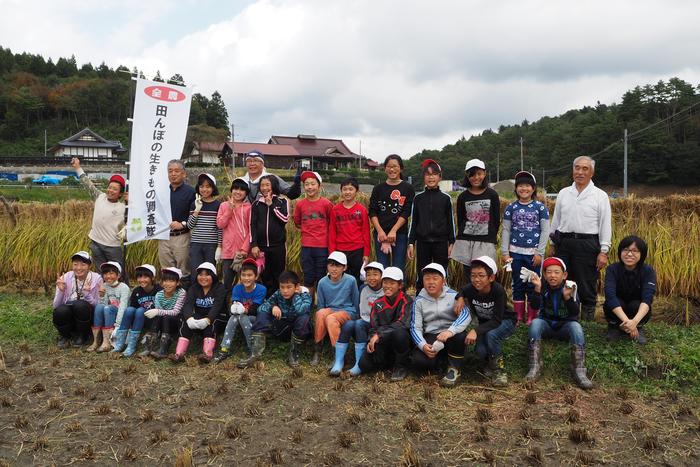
[630,309]
[580,256]
[354,263]
[426,253]
[454,348]
[275,263]
[283,328]
[103,253]
[165,324]
[73,318]
[391,350]
[217,326]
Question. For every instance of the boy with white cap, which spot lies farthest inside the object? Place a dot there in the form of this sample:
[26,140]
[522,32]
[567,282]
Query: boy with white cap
[558,317]
[478,217]
[487,301]
[434,329]
[390,342]
[337,301]
[114,297]
[359,328]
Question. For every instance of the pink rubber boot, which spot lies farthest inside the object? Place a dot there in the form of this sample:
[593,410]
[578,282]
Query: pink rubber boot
[180,350]
[519,308]
[207,350]
[531,313]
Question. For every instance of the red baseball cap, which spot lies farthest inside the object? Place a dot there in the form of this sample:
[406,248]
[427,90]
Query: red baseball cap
[553,261]
[119,179]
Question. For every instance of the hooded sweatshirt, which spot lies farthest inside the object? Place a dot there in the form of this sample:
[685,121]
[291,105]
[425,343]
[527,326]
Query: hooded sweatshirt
[210,305]
[235,226]
[434,315]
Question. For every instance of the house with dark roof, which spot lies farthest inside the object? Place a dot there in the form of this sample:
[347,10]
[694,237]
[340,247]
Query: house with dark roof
[203,152]
[88,144]
[277,156]
[321,153]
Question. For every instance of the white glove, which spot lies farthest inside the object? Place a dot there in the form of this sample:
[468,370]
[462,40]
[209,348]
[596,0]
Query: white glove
[303,289]
[217,255]
[574,288]
[201,323]
[438,346]
[150,314]
[121,235]
[363,276]
[237,308]
[198,202]
[191,323]
[526,274]
[508,267]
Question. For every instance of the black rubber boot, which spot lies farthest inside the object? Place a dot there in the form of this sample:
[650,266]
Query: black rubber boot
[150,341]
[294,350]
[163,348]
[257,343]
[316,358]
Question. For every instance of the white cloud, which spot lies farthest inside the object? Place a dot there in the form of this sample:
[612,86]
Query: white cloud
[398,75]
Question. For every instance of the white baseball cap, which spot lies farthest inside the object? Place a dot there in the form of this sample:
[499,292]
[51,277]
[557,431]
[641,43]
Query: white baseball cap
[393,273]
[174,270]
[114,264]
[486,261]
[148,267]
[338,257]
[84,255]
[437,268]
[208,266]
[211,178]
[374,265]
[478,163]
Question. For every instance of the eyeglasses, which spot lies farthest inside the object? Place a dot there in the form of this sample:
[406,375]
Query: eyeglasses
[630,251]
[479,276]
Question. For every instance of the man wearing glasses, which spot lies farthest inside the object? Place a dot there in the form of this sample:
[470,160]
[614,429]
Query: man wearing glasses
[581,231]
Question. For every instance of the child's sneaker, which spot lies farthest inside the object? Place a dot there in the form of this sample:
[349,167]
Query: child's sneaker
[221,355]
[451,377]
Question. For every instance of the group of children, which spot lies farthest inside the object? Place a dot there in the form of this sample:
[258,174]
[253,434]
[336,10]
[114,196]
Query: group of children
[387,326]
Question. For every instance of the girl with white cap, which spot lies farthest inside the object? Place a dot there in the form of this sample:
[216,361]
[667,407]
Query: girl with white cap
[114,298]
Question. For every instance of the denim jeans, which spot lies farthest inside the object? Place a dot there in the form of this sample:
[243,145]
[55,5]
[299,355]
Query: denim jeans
[545,329]
[105,316]
[520,288]
[489,344]
[356,328]
[133,319]
[201,253]
[398,252]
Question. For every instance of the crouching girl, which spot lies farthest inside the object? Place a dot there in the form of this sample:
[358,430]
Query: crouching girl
[557,318]
[114,296]
[204,305]
[165,314]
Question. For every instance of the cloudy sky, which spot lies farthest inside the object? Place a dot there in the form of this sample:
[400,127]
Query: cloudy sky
[397,76]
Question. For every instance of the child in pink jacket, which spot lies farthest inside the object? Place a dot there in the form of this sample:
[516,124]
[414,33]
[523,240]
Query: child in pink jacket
[233,219]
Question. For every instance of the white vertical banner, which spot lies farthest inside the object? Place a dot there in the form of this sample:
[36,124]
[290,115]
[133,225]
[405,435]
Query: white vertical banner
[159,127]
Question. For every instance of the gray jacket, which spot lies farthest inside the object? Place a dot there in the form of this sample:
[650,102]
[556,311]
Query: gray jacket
[432,316]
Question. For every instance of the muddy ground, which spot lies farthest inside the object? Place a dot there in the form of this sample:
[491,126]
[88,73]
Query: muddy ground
[71,407]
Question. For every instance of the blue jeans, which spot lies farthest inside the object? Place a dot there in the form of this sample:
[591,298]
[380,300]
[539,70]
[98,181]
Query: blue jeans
[545,329]
[357,328]
[520,288]
[489,344]
[398,252]
[133,319]
[201,253]
[105,316]
[313,264]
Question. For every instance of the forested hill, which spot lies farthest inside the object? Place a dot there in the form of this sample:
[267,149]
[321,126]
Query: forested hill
[663,148]
[64,97]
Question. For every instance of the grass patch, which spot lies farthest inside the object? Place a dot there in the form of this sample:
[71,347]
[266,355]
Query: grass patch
[47,194]
[669,362]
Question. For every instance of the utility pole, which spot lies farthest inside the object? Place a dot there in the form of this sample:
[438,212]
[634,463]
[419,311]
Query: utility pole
[498,167]
[544,187]
[233,152]
[521,153]
[624,190]
[44,142]
[359,162]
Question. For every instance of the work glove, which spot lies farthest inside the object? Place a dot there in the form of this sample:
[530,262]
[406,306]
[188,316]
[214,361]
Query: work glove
[192,323]
[201,323]
[150,314]
[217,255]
[237,308]
[438,346]
[386,248]
[574,288]
[198,203]
[363,276]
[526,274]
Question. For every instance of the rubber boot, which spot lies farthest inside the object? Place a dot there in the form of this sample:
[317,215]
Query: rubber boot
[340,349]
[519,309]
[208,347]
[95,340]
[164,346]
[359,352]
[588,312]
[180,350]
[120,342]
[499,378]
[535,357]
[578,367]
[294,351]
[150,341]
[106,344]
[132,342]
[531,313]
[316,357]
[257,341]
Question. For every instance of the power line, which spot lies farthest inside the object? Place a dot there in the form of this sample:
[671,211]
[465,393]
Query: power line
[661,121]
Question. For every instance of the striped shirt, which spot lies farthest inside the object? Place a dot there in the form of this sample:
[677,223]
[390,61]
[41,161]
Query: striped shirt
[169,306]
[203,226]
